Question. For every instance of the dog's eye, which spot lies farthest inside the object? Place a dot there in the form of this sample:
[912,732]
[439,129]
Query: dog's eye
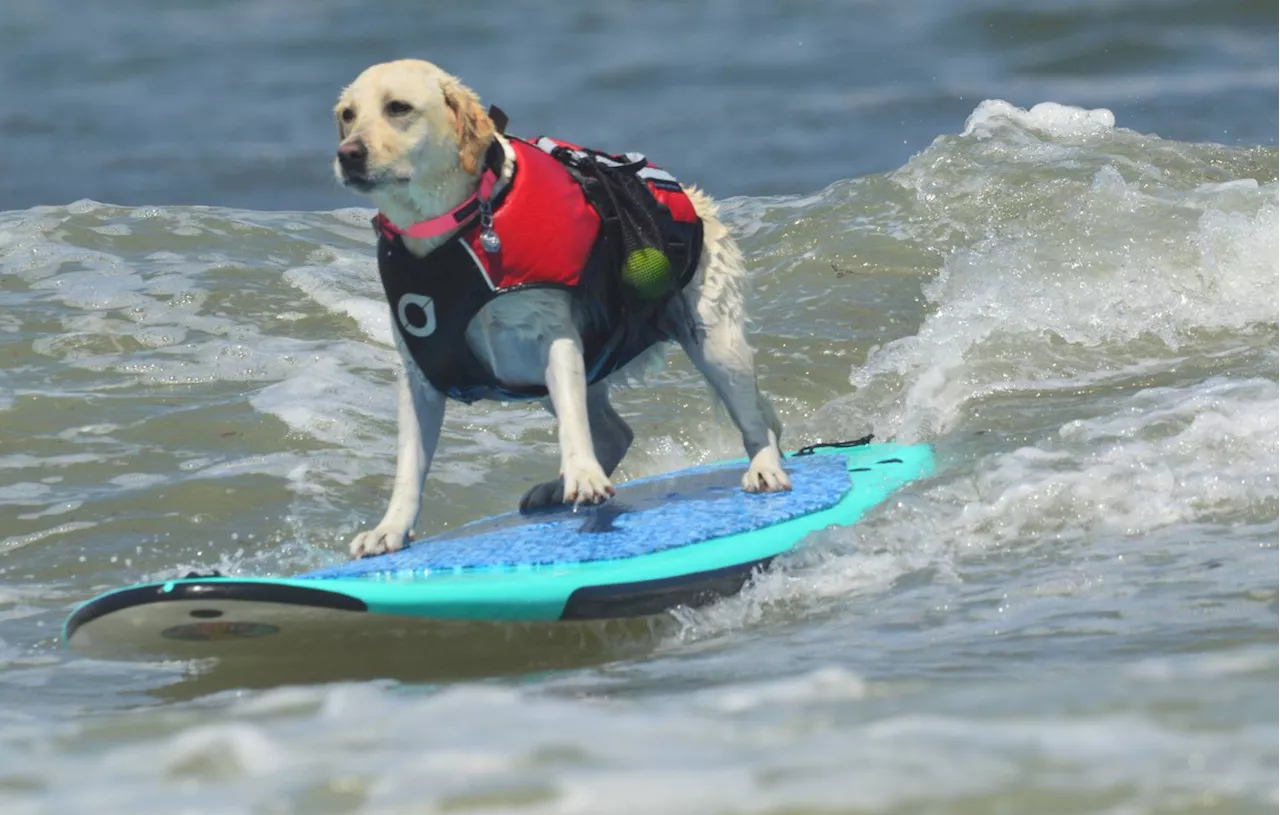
[348,114]
[397,108]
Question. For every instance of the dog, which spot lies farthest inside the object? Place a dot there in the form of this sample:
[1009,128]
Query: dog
[419,144]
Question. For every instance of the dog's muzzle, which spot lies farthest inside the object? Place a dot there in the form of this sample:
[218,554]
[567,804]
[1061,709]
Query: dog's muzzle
[353,160]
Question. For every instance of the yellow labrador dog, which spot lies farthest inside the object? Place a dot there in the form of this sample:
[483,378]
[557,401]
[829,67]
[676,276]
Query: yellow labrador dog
[443,176]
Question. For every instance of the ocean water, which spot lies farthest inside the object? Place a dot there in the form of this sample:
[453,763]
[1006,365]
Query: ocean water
[1041,237]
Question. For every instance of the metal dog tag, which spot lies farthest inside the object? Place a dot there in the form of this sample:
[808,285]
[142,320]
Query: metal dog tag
[489,240]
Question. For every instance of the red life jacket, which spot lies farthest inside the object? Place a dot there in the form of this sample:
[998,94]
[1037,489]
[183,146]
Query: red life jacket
[561,223]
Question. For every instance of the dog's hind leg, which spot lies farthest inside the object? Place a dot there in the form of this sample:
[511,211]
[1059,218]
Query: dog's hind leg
[724,358]
[611,437]
[710,323]
[610,433]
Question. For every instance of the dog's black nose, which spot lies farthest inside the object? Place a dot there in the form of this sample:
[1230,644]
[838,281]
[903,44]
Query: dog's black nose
[352,155]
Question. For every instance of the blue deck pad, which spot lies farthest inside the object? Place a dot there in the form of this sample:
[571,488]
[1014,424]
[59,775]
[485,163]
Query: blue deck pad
[646,516]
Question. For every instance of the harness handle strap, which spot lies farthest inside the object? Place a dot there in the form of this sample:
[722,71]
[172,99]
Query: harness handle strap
[499,119]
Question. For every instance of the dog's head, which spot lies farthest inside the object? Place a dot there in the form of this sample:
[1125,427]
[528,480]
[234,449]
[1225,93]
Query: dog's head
[410,135]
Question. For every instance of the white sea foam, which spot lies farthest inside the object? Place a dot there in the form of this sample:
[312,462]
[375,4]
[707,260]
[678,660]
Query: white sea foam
[1072,278]
[18,541]
[24,493]
[1055,120]
[501,751]
[331,398]
[347,286]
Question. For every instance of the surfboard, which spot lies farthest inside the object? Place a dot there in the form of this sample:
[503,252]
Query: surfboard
[684,538]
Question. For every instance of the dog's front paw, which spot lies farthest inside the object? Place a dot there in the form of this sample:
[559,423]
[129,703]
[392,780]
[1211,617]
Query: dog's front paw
[379,541]
[586,483]
[766,474]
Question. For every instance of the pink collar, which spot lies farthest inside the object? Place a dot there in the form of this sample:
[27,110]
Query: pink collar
[441,224]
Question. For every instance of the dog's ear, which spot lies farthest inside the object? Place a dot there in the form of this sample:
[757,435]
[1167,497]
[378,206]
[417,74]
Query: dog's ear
[471,123]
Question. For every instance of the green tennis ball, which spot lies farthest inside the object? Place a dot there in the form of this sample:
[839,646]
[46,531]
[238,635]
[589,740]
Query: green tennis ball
[648,272]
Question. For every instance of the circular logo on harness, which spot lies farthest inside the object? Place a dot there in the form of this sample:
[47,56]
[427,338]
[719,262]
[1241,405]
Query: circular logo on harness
[417,314]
